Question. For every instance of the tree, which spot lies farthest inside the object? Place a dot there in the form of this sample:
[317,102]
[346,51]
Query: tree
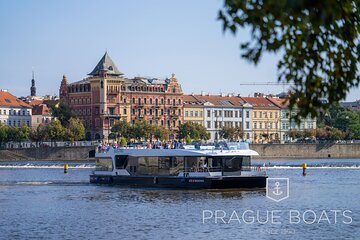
[317,40]
[62,112]
[56,131]
[159,133]
[3,134]
[23,133]
[75,130]
[39,134]
[141,129]
[122,128]
[123,142]
[193,130]
[227,133]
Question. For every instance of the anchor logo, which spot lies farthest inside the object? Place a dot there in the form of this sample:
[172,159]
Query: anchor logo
[277,189]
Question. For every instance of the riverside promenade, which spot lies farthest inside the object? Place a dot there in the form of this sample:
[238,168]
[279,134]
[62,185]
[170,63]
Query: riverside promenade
[266,151]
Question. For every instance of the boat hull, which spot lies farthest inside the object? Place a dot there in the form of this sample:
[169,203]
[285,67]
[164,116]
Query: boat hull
[224,182]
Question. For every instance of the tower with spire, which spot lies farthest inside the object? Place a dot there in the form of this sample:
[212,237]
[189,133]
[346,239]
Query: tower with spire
[33,88]
[63,91]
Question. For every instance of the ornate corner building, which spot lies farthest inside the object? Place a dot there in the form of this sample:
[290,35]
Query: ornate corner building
[106,96]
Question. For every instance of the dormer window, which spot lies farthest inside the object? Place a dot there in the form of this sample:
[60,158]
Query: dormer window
[111,68]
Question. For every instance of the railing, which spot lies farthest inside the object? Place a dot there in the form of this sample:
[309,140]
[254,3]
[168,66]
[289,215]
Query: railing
[202,169]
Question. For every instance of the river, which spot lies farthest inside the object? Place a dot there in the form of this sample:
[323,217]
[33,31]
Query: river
[39,201]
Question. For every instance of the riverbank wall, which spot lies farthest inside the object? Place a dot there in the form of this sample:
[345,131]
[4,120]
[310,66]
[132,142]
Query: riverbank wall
[307,151]
[48,153]
[266,151]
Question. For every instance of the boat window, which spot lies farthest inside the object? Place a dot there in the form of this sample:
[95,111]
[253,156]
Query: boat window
[232,164]
[121,161]
[104,164]
[246,164]
[236,163]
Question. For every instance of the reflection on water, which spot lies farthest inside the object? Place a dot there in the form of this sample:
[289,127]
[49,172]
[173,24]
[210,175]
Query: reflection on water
[45,203]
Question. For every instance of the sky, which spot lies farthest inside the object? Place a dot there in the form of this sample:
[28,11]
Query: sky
[144,38]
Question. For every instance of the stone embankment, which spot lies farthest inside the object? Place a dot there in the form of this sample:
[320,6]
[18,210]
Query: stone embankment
[266,151]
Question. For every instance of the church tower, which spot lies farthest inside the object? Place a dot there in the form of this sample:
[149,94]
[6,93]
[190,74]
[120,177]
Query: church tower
[33,88]
[63,91]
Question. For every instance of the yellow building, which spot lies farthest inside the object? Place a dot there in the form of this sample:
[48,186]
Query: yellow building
[193,112]
[265,119]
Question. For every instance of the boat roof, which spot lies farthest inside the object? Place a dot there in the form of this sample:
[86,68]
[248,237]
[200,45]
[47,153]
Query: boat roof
[175,152]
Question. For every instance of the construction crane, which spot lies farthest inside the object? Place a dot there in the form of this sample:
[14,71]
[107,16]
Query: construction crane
[267,84]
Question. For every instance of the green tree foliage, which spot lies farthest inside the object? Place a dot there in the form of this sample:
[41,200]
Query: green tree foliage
[194,130]
[75,130]
[159,133]
[341,118]
[23,133]
[39,134]
[3,134]
[231,133]
[55,131]
[122,128]
[318,42]
[141,129]
[123,142]
[62,112]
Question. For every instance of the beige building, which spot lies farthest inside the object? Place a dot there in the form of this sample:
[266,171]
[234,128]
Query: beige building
[193,112]
[265,119]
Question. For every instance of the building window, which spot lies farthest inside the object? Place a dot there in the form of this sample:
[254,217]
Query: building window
[156,102]
[186,113]
[133,100]
[168,102]
[247,114]
[236,114]
[255,125]
[151,101]
[208,124]
[179,101]
[144,100]
[173,102]
[191,113]
[139,101]
[271,114]
[208,113]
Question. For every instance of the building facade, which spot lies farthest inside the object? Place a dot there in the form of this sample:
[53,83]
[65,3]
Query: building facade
[40,115]
[265,119]
[286,123]
[13,111]
[106,96]
[193,111]
[219,111]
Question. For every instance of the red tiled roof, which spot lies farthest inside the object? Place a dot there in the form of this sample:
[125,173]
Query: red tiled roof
[280,102]
[216,100]
[260,102]
[41,110]
[9,100]
[35,102]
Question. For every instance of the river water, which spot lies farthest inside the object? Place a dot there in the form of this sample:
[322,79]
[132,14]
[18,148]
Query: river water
[39,201]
